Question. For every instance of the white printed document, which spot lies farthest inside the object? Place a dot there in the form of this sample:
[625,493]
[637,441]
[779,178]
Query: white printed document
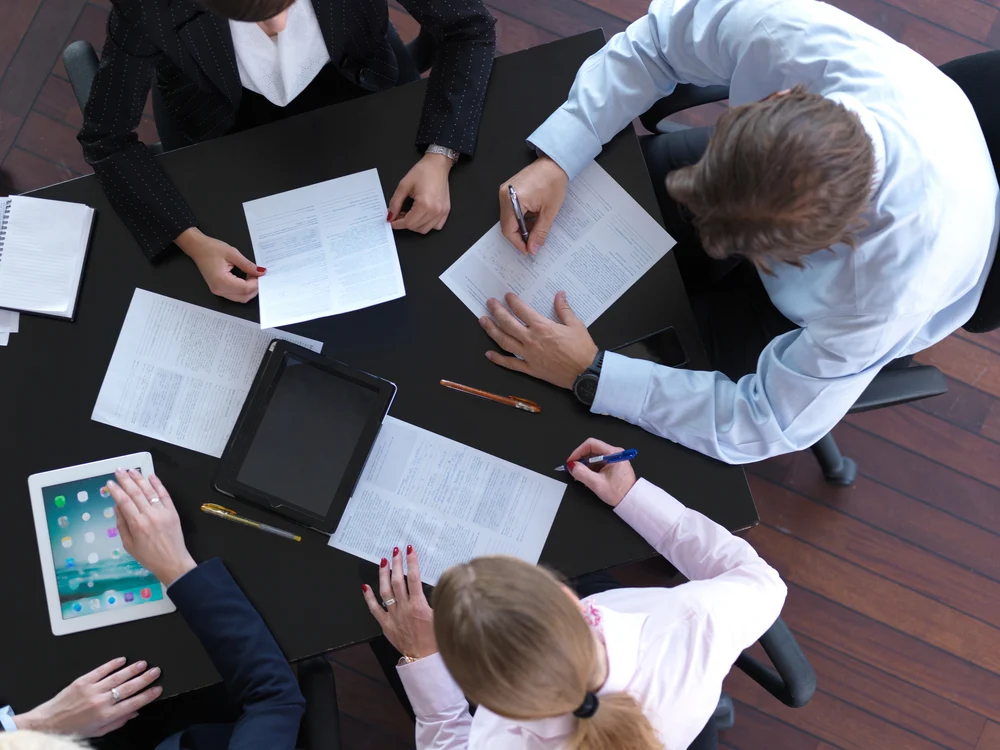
[180,373]
[451,502]
[327,248]
[601,243]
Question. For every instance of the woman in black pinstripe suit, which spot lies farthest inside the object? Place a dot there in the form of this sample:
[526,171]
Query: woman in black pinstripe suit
[226,65]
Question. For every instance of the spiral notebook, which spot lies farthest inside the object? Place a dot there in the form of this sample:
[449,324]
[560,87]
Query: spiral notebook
[43,246]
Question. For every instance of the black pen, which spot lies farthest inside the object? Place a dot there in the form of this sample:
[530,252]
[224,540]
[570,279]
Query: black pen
[518,214]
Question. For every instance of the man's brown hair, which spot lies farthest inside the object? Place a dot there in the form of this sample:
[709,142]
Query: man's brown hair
[781,178]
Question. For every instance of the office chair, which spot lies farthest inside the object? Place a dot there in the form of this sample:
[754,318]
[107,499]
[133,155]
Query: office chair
[320,728]
[81,61]
[792,681]
[979,77]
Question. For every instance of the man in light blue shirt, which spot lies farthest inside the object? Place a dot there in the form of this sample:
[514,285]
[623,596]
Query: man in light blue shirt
[776,193]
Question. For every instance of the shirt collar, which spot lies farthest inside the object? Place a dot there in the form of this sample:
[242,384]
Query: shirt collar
[872,128]
[621,633]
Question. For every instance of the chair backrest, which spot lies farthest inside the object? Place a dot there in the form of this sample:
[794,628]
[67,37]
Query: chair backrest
[80,60]
[979,77]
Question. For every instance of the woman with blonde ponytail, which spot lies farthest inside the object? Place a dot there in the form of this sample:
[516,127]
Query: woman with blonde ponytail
[625,669]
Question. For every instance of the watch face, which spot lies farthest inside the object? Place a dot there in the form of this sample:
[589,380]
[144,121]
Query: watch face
[586,388]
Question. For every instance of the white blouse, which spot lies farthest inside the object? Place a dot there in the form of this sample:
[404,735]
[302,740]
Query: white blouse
[669,648]
[279,69]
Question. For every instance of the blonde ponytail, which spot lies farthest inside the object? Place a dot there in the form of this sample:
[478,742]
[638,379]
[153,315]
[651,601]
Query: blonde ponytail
[517,644]
[618,723]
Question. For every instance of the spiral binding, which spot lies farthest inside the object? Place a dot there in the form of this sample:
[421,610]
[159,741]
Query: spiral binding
[4,219]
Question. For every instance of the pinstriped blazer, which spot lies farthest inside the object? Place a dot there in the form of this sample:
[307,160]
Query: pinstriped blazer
[190,53]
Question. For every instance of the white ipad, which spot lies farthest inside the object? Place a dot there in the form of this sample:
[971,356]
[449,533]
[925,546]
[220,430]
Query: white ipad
[90,580]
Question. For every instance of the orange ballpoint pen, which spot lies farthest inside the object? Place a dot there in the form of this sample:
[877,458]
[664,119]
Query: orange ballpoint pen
[518,403]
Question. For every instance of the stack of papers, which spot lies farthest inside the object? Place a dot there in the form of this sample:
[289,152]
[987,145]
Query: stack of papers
[43,245]
[180,373]
[450,501]
[327,248]
[9,322]
[601,243]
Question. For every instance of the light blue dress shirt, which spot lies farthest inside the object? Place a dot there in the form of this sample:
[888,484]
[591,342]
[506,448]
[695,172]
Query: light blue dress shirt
[921,262]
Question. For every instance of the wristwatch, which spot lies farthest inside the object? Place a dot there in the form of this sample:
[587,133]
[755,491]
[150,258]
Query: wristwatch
[444,151]
[585,385]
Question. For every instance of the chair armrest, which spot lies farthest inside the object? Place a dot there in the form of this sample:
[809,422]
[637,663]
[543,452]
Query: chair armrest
[794,682]
[81,63]
[321,723]
[894,387]
[685,96]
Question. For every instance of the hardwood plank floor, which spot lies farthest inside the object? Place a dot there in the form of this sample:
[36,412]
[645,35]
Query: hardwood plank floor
[894,584]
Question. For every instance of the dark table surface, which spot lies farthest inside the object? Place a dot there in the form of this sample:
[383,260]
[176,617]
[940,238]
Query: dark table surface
[309,593]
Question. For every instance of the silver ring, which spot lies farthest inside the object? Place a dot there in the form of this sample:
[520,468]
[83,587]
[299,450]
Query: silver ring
[154,499]
[115,694]
[388,603]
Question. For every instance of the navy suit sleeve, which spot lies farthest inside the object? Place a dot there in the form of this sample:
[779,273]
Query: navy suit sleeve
[256,673]
[141,192]
[466,41]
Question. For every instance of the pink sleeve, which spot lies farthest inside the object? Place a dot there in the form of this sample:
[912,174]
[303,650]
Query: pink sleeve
[443,718]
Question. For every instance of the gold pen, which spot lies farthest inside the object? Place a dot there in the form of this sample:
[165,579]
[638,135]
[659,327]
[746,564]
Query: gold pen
[230,515]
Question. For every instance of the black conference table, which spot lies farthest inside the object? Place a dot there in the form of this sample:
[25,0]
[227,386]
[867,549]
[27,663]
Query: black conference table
[309,593]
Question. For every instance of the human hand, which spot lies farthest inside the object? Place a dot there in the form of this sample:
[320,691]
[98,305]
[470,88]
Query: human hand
[611,482]
[216,261]
[149,525]
[87,707]
[541,190]
[408,620]
[427,184]
[556,352]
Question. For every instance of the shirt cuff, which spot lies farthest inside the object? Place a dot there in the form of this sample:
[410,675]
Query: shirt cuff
[621,389]
[567,141]
[650,511]
[7,719]
[429,686]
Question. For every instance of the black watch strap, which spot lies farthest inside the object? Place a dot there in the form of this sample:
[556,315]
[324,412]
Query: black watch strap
[585,385]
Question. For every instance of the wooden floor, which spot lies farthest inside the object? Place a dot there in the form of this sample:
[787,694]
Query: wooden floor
[894,583]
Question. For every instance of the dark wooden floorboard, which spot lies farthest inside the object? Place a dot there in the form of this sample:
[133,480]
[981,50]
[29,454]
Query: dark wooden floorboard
[894,583]
[892,558]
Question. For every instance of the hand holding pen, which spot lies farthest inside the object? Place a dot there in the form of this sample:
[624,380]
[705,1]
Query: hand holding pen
[610,478]
[539,189]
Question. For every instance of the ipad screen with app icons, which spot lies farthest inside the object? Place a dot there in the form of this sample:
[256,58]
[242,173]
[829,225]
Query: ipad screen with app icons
[92,576]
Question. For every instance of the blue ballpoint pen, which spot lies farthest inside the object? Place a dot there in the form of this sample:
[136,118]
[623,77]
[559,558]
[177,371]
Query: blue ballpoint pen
[614,458]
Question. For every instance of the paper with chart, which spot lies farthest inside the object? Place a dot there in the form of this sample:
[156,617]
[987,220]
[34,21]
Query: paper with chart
[450,501]
[327,249]
[180,373]
[601,243]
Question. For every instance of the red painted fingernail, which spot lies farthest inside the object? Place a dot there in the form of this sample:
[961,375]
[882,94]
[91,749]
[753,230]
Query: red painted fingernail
[261,269]
[409,549]
[364,587]
[384,562]
[395,551]
[571,465]
[389,217]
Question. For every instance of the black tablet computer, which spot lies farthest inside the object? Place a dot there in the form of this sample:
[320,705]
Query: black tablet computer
[302,439]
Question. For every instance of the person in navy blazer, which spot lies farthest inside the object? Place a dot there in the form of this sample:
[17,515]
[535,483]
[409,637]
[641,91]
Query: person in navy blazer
[256,675]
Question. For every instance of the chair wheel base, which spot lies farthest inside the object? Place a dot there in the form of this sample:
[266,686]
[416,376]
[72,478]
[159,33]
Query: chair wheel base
[725,714]
[845,475]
